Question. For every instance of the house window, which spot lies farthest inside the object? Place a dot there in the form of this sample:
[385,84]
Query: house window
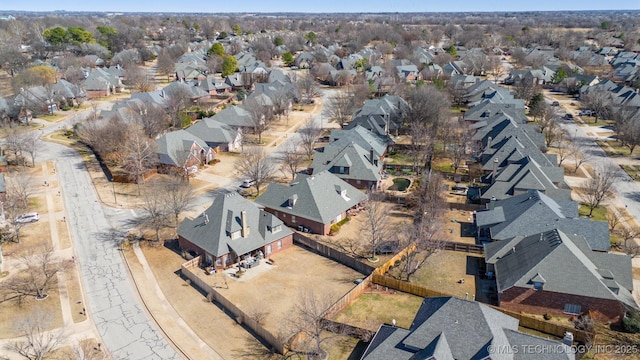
[235,235]
[279,244]
[268,249]
[341,170]
[219,261]
[358,182]
[293,219]
[572,309]
[276,228]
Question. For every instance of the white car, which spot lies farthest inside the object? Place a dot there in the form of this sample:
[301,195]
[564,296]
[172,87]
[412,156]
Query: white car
[247,183]
[28,218]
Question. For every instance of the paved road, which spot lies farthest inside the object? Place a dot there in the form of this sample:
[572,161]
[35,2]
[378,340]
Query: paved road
[113,304]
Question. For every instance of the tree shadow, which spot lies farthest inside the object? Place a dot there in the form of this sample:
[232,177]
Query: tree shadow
[635,196]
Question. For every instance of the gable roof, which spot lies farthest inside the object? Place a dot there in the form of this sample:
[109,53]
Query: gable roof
[361,167]
[234,116]
[565,262]
[452,328]
[212,230]
[532,212]
[319,197]
[213,132]
[361,136]
[174,147]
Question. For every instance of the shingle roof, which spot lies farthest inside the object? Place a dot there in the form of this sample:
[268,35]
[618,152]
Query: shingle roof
[362,168]
[212,230]
[318,197]
[530,213]
[566,263]
[174,147]
[361,136]
[234,116]
[213,132]
[452,328]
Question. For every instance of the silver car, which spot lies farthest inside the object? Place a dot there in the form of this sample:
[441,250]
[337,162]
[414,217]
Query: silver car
[28,218]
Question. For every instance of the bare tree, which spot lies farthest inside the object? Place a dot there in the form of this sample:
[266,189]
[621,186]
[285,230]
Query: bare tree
[166,65]
[155,213]
[137,78]
[18,189]
[309,134]
[309,89]
[576,156]
[496,70]
[599,187]
[178,100]
[306,319]
[598,101]
[461,136]
[340,107]
[260,116]
[39,274]
[291,158]
[562,148]
[178,196]
[140,154]
[377,228]
[423,234]
[256,165]
[88,349]
[38,341]
[630,241]
[628,127]
[613,220]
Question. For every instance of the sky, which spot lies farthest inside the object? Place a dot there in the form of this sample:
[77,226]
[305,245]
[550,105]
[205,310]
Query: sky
[326,6]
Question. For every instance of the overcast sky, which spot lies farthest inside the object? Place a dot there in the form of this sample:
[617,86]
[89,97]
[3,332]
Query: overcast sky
[327,6]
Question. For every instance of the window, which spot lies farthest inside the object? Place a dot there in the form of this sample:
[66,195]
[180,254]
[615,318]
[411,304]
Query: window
[219,261]
[341,170]
[279,244]
[358,182]
[293,219]
[276,228]
[235,235]
[268,249]
[572,309]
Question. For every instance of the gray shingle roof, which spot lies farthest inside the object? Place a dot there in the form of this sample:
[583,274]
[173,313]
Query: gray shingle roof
[361,168]
[224,218]
[213,132]
[318,197]
[235,116]
[564,261]
[452,328]
[174,147]
[361,136]
[530,213]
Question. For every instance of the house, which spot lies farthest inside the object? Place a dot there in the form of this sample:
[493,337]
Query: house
[100,83]
[183,150]
[233,229]
[237,82]
[70,93]
[523,175]
[213,86]
[510,149]
[487,109]
[557,273]
[217,135]
[452,328]
[529,213]
[37,99]
[383,116]
[363,137]
[408,73]
[235,116]
[313,202]
[304,60]
[351,162]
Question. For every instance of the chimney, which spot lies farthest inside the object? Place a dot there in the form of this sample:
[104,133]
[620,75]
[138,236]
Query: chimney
[292,200]
[386,124]
[245,227]
[495,170]
[371,156]
[492,203]
[489,140]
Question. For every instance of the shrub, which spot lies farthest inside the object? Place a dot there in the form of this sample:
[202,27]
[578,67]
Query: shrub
[335,228]
[547,316]
[631,324]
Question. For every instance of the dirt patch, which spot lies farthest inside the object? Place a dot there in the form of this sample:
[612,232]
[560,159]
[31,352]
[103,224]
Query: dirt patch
[275,291]
[209,322]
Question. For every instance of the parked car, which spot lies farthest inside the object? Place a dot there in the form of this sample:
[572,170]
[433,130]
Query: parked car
[568,116]
[247,183]
[555,103]
[28,218]
[585,113]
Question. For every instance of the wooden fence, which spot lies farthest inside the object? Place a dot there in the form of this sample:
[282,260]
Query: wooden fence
[346,329]
[525,320]
[240,316]
[348,298]
[464,247]
[331,253]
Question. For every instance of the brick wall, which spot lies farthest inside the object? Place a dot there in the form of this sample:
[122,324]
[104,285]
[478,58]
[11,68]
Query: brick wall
[316,227]
[540,302]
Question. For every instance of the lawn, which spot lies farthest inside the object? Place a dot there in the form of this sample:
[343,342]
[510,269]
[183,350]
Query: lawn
[632,170]
[399,158]
[599,213]
[591,121]
[371,310]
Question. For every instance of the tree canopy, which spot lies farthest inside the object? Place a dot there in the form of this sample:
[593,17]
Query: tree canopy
[229,65]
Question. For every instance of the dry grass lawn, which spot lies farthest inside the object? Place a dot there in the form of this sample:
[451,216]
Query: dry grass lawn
[209,322]
[377,307]
[11,313]
[276,291]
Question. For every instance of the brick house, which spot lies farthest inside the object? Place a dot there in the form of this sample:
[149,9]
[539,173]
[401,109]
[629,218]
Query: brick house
[313,202]
[183,151]
[233,229]
[557,273]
